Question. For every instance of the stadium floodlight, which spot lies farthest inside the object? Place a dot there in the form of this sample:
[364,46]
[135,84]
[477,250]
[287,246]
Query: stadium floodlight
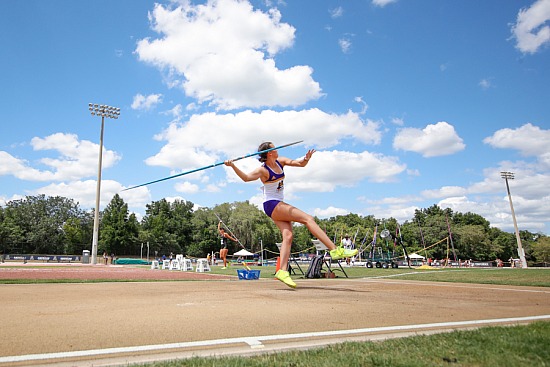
[112,113]
[510,176]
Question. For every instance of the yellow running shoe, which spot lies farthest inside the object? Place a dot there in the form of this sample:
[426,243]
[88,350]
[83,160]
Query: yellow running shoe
[342,253]
[284,277]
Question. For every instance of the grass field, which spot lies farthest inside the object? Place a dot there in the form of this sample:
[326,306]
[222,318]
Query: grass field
[539,277]
[512,346]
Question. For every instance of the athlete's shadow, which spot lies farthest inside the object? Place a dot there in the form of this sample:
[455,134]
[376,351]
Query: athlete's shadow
[329,288]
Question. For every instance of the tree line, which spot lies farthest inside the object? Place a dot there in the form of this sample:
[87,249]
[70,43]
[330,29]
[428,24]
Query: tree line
[58,226]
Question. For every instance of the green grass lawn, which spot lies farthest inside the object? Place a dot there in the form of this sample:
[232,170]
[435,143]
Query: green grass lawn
[539,277]
[508,346]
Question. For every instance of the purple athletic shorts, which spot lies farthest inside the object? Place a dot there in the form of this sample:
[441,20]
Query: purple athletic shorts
[269,206]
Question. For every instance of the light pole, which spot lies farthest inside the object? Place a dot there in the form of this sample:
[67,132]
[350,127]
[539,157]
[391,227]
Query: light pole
[262,251]
[510,176]
[113,113]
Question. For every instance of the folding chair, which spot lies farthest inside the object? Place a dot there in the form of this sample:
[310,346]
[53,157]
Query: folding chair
[186,265]
[290,260]
[321,247]
[202,266]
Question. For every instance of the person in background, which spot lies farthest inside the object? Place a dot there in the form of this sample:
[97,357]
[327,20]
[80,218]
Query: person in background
[348,245]
[225,236]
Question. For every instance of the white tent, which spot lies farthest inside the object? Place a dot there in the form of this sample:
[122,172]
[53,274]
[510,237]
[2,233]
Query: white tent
[243,252]
[415,256]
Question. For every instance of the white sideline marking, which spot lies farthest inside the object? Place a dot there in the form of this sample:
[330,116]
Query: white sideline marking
[454,285]
[256,341]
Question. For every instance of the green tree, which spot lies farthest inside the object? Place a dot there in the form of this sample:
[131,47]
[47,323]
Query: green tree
[180,224]
[541,249]
[472,242]
[37,223]
[156,228]
[428,232]
[11,234]
[168,227]
[469,218]
[119,230]
[205,237]
[78,233]
[504,243]
[243,222]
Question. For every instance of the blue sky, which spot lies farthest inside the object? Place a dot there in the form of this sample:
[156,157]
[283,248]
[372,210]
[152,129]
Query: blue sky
[408,103]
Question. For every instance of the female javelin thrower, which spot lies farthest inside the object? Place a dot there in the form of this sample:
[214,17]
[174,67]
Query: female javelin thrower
[271,174]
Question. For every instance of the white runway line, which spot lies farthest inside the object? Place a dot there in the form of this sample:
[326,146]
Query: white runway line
[256,342]
[454,285]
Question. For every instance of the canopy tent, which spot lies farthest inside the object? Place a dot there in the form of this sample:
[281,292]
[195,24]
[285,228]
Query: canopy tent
[415,256]
[243,252]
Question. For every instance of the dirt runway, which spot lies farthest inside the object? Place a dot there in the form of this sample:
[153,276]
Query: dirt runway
[116,323]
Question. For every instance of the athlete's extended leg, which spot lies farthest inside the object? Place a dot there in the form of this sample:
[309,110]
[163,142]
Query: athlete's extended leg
[287,213]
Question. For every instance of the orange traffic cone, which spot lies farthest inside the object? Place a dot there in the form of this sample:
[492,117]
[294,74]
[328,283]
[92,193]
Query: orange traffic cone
[278,265]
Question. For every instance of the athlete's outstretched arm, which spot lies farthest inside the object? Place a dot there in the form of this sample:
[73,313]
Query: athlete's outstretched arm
[246,177]
[297,162]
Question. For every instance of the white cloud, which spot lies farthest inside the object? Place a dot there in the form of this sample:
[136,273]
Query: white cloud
[223,52]
[76,159]
[531,30]
[146,103]
[398,121]
[191,107]
[329,212]
[444,191]
[345,45]
[382,3]
[175,112]
[337,12]
[186,187]
[432,141]
[202,140]
[328,170]
[20,168]
[529,140]
[364,105]
[213,188]
[400,213]
[485,83]
[489,199]
[413,172]
[84,192]
[529,213]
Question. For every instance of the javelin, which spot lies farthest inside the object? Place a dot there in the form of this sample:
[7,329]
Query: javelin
[213,165]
